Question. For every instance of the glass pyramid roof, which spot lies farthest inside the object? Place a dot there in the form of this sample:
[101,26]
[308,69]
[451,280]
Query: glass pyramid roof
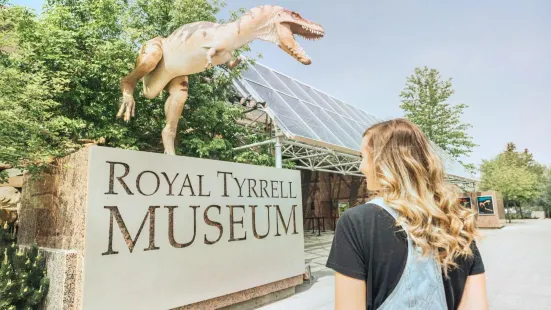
[309,115]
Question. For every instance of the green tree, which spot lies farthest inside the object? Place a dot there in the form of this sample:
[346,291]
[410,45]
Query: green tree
[545,198]
[515,174]
[424,102]
[61,83]
[30,132]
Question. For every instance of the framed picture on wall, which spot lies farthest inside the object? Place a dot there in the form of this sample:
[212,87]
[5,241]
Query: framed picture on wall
[485,205]
[343,206]
[466,202]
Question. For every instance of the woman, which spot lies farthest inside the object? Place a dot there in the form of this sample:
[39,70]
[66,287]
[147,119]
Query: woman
[411,246]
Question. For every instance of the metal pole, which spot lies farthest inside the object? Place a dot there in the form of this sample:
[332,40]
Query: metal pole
[319,228]
[278,158]
[253,145]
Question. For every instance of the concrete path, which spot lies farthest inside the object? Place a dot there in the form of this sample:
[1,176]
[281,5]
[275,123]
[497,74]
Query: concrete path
[320,293]
[518,265]
[517,260]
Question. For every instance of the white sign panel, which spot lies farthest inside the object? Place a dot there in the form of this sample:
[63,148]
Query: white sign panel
[166,231]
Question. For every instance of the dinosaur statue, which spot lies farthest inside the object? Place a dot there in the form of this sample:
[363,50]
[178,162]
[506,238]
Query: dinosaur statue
[166,63]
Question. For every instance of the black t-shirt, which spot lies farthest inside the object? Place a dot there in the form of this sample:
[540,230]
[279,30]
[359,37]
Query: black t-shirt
[369,246]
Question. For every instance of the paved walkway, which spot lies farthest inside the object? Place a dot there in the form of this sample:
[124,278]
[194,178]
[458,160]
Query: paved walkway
[320,293]
[517,260]
[518,265]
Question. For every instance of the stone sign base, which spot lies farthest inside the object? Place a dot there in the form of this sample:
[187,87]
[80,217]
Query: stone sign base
[53,215]
[251,298]
[65,271]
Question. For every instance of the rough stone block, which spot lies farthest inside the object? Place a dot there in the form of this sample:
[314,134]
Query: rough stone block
[65,278]
[60,196]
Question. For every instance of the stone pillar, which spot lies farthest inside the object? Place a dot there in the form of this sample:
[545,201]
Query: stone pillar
[53,216]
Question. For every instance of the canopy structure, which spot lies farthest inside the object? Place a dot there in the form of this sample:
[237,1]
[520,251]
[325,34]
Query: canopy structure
[315,130]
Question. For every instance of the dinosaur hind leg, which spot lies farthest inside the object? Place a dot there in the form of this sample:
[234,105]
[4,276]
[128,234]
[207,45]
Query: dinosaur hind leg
[150,55]
[178,90]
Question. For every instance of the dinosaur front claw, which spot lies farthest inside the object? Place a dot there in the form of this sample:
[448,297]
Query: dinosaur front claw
[128,108]
[209,65]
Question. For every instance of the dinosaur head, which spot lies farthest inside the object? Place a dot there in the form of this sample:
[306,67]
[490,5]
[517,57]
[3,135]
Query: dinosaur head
[287,25]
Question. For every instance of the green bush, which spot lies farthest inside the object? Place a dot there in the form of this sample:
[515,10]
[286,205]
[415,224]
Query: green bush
[23,281]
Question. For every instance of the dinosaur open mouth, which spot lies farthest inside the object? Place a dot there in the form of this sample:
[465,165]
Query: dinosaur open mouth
[306,31]
[291,46]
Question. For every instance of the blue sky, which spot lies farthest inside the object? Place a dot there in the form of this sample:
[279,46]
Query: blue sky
[498,54]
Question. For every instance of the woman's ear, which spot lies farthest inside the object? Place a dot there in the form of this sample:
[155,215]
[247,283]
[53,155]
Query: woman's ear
[372,179]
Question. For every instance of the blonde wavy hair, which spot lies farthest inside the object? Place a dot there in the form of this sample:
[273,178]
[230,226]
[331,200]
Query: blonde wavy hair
[411,177]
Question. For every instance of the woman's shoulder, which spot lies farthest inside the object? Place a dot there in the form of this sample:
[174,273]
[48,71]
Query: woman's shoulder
[366,211]
[366,217]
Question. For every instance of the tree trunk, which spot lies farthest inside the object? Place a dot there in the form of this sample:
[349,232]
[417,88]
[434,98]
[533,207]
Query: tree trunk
[520,208]
[507,211]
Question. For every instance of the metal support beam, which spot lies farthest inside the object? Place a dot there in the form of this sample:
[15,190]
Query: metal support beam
[278,157]
[326,170]
[305,157]
[317,158]
[340,165]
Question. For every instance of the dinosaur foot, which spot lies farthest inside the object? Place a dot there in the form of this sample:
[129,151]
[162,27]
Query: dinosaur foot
[233,63]
[168,136]
[128,108]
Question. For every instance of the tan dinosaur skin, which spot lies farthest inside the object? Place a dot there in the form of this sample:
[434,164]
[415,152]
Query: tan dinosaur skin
[166,63]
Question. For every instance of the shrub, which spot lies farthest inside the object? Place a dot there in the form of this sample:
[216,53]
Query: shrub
[23,281]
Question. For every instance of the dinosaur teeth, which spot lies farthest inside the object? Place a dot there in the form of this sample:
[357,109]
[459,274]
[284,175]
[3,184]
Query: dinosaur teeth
[310,30]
